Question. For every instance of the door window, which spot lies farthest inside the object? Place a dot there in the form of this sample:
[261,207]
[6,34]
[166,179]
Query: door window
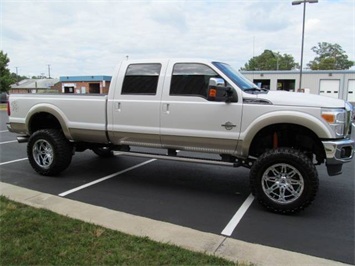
[191,80]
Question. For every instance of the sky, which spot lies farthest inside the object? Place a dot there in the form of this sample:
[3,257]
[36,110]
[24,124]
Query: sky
[76,37]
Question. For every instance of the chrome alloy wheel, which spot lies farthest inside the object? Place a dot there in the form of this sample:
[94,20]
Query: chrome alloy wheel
[43,153]
[282,183]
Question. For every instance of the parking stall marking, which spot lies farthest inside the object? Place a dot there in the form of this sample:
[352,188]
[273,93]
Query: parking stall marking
[14,161]
[3,131]
[104,178]
[233,223]
[6,142]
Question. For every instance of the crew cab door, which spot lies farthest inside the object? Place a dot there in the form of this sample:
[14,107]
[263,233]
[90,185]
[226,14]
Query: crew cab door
[135,107]
[188,120]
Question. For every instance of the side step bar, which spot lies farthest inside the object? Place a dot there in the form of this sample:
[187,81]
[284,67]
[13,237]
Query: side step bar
[22,139]
[180,158]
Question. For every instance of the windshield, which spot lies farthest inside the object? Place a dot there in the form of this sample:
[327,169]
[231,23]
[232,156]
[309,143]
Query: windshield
[237,78]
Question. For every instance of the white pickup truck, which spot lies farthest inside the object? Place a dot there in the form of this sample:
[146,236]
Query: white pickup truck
[188,109]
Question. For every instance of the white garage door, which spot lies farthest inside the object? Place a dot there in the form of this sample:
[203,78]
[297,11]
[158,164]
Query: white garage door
[329,87]
[351,90]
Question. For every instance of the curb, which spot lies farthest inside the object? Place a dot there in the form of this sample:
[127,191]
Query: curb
[191,239]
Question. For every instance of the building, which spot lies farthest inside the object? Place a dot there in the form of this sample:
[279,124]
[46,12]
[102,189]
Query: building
[35,86]
[85,84]
[332,83]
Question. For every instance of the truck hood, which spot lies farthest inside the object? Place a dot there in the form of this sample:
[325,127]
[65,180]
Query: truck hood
[300,99]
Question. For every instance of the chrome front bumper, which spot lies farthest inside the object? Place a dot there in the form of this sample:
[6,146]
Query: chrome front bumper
[339,152]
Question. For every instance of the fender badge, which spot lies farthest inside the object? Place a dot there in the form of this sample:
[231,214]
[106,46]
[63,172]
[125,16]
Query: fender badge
[228,125]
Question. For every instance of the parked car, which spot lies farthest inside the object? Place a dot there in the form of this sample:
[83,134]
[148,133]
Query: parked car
[4,97]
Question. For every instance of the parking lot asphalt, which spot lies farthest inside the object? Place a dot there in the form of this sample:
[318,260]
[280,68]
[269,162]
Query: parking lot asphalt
[200,197]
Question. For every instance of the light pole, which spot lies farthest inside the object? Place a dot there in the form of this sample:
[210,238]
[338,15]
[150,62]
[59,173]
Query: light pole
[298,2]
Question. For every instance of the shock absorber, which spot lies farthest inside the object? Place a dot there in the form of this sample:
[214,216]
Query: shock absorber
[275,141]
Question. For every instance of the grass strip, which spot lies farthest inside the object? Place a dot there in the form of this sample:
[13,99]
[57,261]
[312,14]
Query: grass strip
[30,236]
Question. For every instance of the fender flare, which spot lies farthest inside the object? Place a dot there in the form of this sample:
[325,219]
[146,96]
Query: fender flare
[281,117]
[50,109]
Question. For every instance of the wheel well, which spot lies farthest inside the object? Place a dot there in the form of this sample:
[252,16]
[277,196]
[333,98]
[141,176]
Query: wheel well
[287,135]
[43,121]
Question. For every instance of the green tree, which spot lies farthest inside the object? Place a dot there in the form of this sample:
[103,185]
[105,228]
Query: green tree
[270,60]
[5,76]
[17,78]
[329,57]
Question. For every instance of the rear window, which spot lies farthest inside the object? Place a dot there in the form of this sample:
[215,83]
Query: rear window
[141,79]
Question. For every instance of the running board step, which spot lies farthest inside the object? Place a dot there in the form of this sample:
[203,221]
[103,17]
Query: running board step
[179,158]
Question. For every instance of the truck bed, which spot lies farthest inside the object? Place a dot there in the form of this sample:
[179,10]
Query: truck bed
[83,117]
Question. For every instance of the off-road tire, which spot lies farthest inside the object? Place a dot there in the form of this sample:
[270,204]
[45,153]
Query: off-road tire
[49,152]
[284,180]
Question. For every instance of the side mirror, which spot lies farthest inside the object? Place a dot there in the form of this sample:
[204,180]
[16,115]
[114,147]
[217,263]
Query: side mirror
[218,92]
[216,82]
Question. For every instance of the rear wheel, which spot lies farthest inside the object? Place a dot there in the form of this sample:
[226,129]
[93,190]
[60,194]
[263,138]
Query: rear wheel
[49,152]
[284,180]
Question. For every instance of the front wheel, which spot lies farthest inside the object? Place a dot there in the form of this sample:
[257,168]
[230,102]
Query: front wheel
[49,152]
[284,180]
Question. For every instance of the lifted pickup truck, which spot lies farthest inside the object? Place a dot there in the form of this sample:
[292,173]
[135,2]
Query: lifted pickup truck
[197,107]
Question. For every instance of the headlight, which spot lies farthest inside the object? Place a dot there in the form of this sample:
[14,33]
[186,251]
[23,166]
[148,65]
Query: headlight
[337,120]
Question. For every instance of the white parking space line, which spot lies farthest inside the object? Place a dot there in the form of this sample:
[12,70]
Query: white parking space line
[104,178]
[228,230]
[6,142]
[3,131]
[14,161]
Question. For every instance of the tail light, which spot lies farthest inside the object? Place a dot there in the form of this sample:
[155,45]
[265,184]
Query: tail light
[8,108]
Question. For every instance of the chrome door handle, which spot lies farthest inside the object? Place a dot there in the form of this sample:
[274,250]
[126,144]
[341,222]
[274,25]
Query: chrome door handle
[166,108]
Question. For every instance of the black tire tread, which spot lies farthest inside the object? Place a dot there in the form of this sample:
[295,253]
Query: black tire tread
[62,151]
[291,156]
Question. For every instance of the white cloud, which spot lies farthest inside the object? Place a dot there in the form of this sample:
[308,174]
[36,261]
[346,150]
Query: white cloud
[90,37]
[267,16]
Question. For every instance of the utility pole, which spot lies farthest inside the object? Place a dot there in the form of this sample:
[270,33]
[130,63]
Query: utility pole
[16,75]
[49,71]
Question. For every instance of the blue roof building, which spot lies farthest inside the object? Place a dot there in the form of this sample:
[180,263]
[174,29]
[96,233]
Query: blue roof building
[85,84]
[84,78]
